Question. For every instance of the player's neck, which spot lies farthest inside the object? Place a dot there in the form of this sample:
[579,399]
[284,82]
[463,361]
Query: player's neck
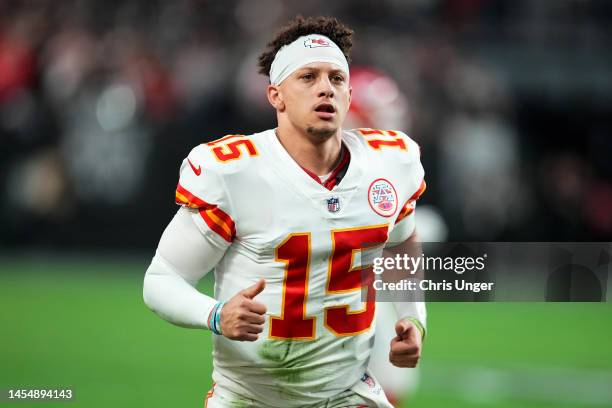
[319,157]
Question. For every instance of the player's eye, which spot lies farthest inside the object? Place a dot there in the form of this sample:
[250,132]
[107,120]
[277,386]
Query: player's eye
[338,78]
[307,76]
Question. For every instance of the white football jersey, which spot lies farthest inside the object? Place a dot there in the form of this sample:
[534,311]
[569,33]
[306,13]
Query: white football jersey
[308,243]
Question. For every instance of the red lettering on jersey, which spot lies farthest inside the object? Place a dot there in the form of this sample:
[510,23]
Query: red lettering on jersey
[342,277]
[293,323]
[378,143]
[226,149]
[295,252]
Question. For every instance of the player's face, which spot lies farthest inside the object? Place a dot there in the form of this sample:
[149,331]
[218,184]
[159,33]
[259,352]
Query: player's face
[316,98]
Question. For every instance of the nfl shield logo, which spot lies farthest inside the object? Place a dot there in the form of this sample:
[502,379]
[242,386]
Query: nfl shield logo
[368,380]
[333,204]
[374,388]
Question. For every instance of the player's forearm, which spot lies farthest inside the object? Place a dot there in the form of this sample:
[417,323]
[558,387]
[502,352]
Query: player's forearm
[184,255]
[171,297]
[414,311]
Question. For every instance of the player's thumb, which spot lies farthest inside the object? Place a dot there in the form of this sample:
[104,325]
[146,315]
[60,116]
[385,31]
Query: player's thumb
[254,289]
[402,326]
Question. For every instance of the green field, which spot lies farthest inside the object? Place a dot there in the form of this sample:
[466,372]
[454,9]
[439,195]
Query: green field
[82,324]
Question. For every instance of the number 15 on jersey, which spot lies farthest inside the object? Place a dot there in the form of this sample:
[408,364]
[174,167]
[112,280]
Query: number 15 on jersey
[295,251]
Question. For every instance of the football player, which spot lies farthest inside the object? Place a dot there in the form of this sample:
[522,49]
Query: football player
[289,218]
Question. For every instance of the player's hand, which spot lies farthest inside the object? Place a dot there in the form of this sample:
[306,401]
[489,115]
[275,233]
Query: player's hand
[242,317]
[406,346]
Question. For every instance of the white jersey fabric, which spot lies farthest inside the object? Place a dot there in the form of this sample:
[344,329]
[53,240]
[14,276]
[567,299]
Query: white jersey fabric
[250,199]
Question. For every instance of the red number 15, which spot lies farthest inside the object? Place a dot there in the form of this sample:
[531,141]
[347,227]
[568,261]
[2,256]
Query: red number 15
[295,251]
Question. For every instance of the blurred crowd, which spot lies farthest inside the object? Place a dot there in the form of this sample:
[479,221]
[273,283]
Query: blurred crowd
[510,102]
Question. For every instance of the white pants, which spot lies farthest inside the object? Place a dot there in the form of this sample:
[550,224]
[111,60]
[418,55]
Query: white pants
[365,393]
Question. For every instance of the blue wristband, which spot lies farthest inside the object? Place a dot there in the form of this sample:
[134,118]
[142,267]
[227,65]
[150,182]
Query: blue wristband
[213,324]
[216,323]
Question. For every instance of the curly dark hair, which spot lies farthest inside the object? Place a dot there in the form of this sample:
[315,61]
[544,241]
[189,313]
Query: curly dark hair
[300,26]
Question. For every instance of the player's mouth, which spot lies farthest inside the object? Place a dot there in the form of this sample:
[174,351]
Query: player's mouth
[325,111]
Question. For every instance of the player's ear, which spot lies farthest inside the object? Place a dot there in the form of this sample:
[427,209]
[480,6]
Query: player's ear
[350,94]
[275,98]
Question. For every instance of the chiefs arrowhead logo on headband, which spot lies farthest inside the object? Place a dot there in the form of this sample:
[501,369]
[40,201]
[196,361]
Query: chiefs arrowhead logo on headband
[303,51]
[316,42]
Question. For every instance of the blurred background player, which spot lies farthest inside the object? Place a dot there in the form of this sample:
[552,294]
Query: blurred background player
[378,102]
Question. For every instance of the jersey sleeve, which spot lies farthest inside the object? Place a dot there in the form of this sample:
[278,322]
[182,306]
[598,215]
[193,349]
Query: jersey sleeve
[202,188]
[414,174]
[410,205]
[182,258]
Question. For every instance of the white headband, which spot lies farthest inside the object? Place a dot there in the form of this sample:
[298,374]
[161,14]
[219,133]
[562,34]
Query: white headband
[303,51]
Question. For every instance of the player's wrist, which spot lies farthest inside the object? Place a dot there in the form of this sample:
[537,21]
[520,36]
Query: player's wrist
[416,322]
[214,318]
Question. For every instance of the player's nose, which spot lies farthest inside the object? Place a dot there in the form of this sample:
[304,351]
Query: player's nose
[325,88]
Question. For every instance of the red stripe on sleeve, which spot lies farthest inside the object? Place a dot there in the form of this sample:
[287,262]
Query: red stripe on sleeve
[419,192]
[216,219]
[217,227]
[191,198]
[408,208]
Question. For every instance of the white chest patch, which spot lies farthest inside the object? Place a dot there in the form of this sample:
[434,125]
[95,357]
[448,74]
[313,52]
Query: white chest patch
[382,197]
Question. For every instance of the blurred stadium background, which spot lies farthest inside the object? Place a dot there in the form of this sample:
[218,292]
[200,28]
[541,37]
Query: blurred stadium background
[100,101]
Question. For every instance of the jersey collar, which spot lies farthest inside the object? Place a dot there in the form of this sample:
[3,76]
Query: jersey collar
[352,166]
[337,173]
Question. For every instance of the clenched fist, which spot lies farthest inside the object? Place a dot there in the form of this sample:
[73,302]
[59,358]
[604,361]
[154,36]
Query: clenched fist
[242,318]
[406,346]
